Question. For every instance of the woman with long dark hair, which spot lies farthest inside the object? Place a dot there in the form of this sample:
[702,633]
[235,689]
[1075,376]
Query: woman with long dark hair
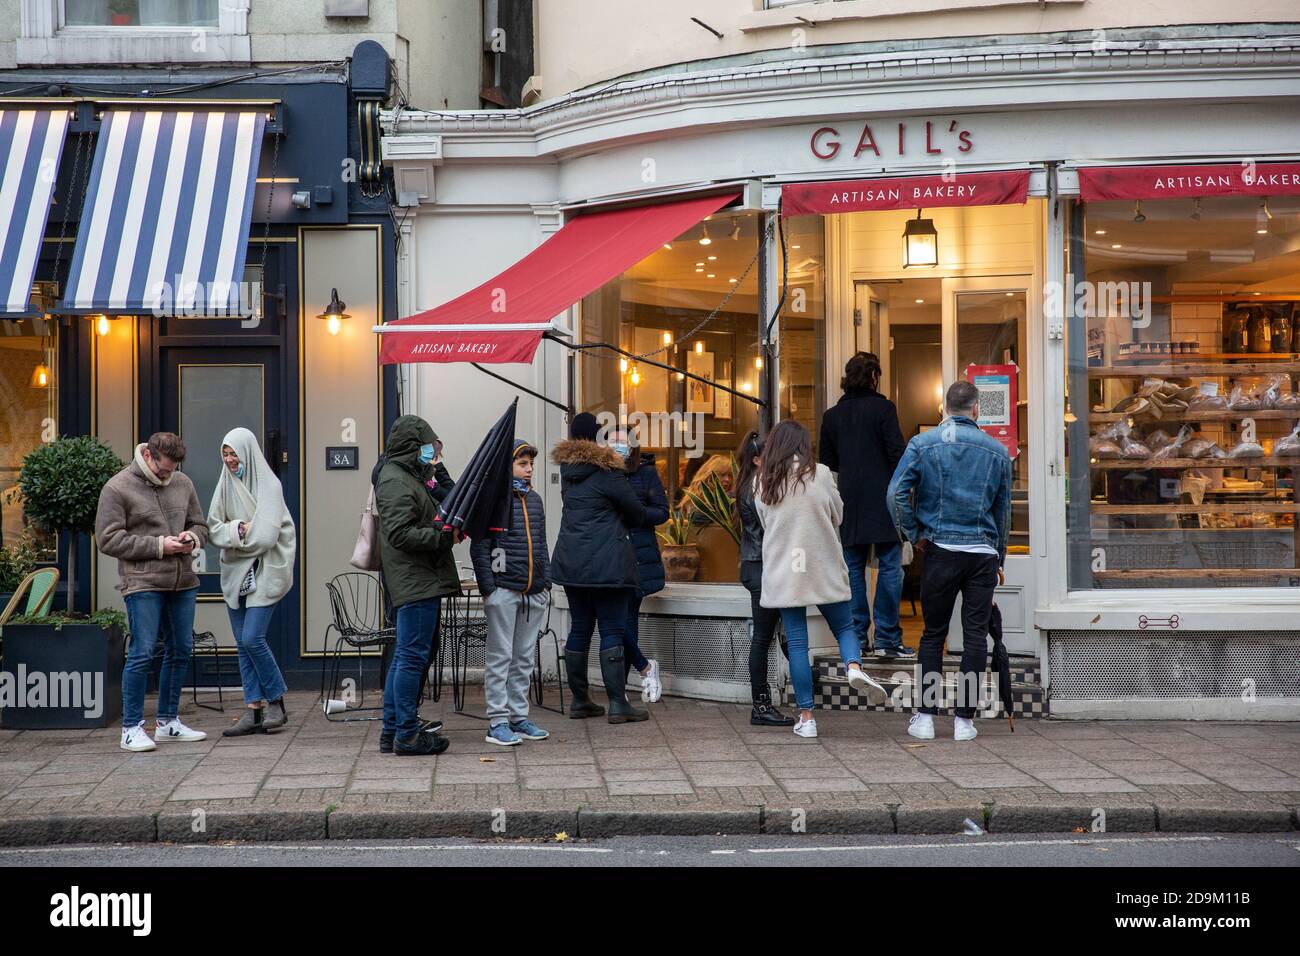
[862,443]
[800,509]
[764,712]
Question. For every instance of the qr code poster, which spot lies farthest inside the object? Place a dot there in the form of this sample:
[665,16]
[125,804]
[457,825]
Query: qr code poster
[998,403]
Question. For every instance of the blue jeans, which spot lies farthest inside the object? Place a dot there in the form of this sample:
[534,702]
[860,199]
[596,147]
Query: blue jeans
[258,671]
[151,616]
[587,606]
[632,655]
[889,592]
[416,623]
[839,616]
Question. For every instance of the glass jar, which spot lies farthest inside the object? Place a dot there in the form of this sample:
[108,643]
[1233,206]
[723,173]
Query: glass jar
[1235,338]
[1260,330]
[1283,327]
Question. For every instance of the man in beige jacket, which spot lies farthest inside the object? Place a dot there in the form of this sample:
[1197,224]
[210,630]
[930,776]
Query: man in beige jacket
[150,520]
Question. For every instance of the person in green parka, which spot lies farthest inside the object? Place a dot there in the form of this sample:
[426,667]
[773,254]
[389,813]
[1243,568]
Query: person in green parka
[419,571]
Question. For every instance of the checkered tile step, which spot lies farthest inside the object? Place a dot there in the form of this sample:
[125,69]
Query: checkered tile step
[1024,670]
[832,692]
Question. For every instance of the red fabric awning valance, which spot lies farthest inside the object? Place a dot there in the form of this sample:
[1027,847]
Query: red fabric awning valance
[906,192]
[503,319]
[1100,183]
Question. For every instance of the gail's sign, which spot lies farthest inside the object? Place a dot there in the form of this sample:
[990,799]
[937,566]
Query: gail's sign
[910,138]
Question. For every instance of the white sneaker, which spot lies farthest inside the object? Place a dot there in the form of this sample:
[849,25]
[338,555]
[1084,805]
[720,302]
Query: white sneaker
[963,728]
[861,680]
[135,739]
[651,688]
[806,728]
[921,726]
[174,730]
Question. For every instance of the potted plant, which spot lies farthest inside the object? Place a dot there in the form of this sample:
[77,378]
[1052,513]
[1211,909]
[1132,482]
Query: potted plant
[680,555]
[64,670]
[713,510]
[60,482]
[16,562]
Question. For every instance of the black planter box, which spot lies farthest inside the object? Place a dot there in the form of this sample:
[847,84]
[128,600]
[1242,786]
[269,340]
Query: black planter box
[78,665]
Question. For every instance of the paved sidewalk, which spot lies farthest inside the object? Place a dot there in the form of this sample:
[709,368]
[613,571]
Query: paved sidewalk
[693,768]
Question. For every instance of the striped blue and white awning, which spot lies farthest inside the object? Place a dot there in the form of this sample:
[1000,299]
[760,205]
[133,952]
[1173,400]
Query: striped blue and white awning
[165,225]
[31,142]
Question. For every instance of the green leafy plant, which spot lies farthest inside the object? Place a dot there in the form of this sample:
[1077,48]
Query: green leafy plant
[61,482]
[16,562]
[677,530]
[713,506]
[105,619]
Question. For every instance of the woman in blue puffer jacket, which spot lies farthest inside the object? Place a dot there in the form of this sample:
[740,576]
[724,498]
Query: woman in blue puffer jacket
[649,489]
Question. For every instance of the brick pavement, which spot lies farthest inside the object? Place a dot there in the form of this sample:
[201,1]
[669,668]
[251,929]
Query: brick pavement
[693,767]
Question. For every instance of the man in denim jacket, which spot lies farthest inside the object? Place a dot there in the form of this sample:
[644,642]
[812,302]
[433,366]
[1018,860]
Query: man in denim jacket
[951,497]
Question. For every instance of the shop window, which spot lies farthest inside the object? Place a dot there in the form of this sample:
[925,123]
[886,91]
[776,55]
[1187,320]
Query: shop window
[1183,411]
[141,13]
[28,416]
[658,310]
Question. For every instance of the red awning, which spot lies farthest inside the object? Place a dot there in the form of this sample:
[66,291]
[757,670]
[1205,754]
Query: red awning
[503,320]
[907,192]
[1099,183]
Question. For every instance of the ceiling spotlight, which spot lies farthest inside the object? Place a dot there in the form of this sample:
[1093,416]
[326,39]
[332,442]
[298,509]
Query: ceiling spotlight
[699,264]
[920,302]
[1137,212]
[668,246]
[712,275]
[711,258]
[1116,245]
[704,235]
[1100,232]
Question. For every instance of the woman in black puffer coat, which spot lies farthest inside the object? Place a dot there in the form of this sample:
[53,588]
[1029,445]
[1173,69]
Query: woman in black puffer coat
[649,488]
[595,562]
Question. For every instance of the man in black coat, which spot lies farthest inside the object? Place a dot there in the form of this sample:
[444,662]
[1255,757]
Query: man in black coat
[862,442]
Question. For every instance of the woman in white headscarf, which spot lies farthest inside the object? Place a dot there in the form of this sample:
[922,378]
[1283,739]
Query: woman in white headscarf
[248,520]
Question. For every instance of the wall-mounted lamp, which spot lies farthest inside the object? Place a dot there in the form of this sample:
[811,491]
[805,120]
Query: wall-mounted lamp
[668,338]
[334,313]
[920,243]
[301,199]
[699,347]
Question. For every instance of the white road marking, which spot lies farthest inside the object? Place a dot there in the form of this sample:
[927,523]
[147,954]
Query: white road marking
[970,845]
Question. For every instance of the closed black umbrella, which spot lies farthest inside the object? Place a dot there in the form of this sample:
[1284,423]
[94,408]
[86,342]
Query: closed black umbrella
[480,502]
[1002,663]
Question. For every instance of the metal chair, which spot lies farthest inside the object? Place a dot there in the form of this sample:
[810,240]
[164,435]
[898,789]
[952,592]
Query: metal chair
[205,644]
[38,588]
[465,631]
[357,612]
[539,681]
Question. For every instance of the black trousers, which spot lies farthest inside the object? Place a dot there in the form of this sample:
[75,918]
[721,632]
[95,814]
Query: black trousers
[945,575]
[765,621]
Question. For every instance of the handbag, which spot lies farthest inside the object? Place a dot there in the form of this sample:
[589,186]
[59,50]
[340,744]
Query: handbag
[365,555]
[249,584]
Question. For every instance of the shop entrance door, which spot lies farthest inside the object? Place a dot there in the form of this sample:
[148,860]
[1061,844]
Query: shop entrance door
[926,332]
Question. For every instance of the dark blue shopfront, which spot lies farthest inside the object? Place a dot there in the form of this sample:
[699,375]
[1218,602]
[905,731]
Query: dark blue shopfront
[189,242]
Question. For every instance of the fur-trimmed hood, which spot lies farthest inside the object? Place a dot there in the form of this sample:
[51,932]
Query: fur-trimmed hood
[576,451]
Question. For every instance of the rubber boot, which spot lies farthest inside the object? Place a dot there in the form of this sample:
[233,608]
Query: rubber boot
[580,704]
[611,668]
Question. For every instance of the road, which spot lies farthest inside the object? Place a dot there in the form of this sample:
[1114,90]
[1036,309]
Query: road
[1050,850]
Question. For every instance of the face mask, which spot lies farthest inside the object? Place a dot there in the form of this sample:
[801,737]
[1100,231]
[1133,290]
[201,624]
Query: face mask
[426,453]
[239,472]
[622,448]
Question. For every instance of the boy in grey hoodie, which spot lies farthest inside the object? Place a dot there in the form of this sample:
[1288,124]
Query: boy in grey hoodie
[513,572]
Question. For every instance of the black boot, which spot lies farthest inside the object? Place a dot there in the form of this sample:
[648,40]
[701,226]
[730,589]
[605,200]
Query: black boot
[765,714]
[580,704]
[386,736]
[419,744]
[611,668]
